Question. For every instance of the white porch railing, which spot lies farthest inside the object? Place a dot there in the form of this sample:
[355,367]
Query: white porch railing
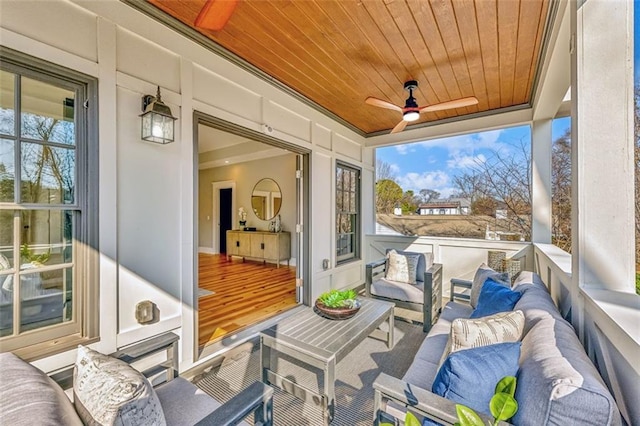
[608,323]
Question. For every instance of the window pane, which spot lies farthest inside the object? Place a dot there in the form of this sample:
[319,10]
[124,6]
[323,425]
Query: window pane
[46,238]
[47,112]
[48,174]
[7,171]
[6,240]
[45,298]
[7,102]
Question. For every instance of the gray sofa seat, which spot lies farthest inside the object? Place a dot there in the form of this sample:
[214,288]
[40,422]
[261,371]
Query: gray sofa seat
[557,383]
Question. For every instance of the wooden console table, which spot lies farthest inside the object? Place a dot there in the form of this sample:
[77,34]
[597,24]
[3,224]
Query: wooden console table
[266,246]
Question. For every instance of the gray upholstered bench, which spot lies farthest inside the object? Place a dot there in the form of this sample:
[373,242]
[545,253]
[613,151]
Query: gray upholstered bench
[182,402]
[557,383]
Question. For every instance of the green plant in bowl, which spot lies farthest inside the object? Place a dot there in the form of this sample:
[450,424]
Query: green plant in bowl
[339,299]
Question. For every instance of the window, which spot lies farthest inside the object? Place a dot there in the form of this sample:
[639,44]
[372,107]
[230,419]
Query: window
[46,223]
[347,212]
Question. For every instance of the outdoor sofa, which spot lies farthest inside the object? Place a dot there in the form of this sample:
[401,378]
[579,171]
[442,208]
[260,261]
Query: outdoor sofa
[108,391]
[556,382]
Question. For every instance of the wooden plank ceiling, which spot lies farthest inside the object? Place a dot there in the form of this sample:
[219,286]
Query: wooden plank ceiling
[338,52]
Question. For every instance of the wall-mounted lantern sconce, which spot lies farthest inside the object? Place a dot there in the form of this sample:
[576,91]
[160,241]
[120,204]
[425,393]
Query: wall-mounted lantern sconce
[157,121]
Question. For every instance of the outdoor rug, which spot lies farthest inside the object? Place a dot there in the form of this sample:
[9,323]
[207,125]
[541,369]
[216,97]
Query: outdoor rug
[354,379]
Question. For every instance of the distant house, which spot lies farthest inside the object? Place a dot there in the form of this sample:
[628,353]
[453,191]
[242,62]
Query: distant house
[451,206]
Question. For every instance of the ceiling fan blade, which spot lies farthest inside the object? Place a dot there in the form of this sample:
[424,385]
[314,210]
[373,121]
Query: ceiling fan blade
[399,127]
[456,103]
[382,104]
[215,14]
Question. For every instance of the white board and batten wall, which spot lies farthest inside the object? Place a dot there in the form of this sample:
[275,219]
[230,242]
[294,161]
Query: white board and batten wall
[146,218]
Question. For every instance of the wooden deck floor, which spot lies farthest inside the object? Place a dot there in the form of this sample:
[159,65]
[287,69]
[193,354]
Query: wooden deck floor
[244,293]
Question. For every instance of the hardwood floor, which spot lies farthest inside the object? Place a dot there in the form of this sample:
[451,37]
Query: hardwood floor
[244,293]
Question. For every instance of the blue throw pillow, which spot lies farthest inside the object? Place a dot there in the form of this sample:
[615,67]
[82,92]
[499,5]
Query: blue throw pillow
[470,376]
[494,298]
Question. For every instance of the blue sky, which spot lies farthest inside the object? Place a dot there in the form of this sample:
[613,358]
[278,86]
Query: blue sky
[433,164]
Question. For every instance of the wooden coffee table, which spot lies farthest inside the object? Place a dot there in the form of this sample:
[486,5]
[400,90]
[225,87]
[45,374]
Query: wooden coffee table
[321,343]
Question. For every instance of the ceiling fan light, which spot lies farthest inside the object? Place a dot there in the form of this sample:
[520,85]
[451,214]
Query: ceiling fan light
[411,116]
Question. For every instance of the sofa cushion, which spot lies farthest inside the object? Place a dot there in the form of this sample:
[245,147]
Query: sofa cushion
[568,388]
[398,290]
[425,261]
[27,393]
[109,391]
[401,267]
[469,377]
[494,298]
[481,276]
[498,328]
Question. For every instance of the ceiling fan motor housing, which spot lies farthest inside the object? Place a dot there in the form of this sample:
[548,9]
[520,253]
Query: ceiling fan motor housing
[410,103]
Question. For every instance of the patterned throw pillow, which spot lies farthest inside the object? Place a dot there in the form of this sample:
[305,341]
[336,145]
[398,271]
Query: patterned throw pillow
[472,333]
[108,391]
[402,267]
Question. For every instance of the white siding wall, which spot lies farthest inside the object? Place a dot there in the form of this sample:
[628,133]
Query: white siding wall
[147,190]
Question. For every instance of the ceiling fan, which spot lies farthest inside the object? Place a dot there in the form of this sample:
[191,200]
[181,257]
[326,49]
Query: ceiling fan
[215,14]
[411,111]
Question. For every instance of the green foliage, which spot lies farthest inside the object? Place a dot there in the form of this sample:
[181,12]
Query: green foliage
[467,417]
[506,385]
[388,194]
[503,405]
[637,282]
[27,256]
[338,298]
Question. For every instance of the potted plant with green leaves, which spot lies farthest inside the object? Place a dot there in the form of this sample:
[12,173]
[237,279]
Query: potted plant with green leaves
[338,304]
[503,406]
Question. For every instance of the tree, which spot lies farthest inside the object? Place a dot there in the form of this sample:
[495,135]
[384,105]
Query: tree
[428,195]
[561,191]
[384,171]
[504,178]
[637,170]
[388,194]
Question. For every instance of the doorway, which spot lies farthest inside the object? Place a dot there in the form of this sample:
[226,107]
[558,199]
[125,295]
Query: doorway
[237,290]
[225,215]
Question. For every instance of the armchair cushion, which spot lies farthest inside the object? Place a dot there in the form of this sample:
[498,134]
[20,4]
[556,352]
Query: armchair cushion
[402,267]
[109,391]
[425,261]
[479,279]
[398,290]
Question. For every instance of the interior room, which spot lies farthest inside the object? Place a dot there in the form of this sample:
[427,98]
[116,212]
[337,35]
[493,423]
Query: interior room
[247,244]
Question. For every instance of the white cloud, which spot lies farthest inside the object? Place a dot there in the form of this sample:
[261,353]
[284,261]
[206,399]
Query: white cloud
[458,161]
[402,149]
[394,168]
[435,180]
[456,145]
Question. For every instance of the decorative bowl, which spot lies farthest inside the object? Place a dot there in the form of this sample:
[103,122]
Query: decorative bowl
[336,313]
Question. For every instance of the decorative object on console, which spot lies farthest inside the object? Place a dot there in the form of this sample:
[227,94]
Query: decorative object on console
[242,215]
[338,304]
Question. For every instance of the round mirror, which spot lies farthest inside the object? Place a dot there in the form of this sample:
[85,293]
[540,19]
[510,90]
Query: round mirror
[266,199]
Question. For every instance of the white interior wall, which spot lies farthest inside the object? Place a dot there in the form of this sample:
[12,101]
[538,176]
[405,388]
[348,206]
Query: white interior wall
[281,169]
[146,213]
